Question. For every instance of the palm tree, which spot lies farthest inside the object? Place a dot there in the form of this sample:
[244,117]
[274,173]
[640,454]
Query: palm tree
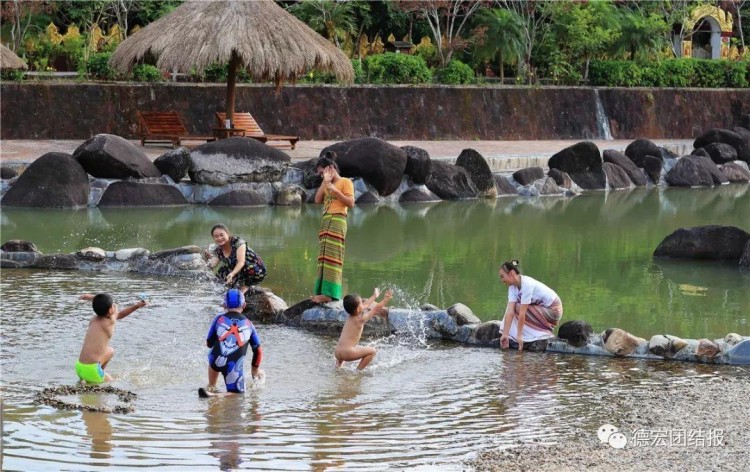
[503,33]
[640,33]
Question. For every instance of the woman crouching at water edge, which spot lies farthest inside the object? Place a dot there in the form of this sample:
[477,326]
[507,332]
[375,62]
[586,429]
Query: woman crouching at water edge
[336,193]
[233,260]
[533,308]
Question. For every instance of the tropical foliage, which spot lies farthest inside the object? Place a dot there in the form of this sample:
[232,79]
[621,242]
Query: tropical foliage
[534,41]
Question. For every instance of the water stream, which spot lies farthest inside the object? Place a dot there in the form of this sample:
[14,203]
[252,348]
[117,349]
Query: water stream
[602,121]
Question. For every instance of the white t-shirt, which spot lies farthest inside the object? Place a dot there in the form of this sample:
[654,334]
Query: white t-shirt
[532,292]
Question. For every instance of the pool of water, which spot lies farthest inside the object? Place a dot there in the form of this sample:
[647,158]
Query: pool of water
[421,404]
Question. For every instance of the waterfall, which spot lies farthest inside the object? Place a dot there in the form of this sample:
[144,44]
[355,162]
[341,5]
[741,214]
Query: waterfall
[602,122]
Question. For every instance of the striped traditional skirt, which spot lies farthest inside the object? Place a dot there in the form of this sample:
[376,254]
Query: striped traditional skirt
[542,318]
[332,240]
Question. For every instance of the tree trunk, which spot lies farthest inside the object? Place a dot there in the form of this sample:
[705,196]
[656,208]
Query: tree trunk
[502,70]
[234,63]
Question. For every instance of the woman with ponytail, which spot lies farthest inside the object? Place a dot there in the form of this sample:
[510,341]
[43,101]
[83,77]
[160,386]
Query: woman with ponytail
[336,193]
[533,308]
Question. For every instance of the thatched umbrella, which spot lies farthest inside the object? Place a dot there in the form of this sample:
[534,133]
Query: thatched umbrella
[9,60]
[258,35]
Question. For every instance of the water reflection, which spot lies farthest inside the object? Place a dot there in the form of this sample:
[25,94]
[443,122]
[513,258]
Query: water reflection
[99,430]
[234,420]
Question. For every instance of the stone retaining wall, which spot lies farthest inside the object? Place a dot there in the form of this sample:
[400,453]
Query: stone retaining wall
[42,110]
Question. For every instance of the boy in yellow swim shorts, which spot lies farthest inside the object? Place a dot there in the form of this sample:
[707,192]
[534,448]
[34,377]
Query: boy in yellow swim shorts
[96,351]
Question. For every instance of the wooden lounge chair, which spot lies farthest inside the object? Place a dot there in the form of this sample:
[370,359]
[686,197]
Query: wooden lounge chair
[247,122]
[160,127]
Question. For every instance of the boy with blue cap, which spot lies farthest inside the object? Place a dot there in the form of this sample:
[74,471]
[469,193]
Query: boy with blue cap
[228,338]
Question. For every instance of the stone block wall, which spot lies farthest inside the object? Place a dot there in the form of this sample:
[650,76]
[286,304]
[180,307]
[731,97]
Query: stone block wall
[54,110]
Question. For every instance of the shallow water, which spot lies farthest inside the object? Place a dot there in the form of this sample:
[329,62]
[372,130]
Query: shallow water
[421,403]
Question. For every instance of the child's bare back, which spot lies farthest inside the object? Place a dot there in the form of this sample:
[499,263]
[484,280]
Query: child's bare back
[96,351]
[360,313]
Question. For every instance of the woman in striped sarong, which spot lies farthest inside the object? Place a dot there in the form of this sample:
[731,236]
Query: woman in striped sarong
[533,308]
[336,193]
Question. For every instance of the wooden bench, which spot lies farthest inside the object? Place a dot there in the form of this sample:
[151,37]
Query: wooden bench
[252,129]
[165,127]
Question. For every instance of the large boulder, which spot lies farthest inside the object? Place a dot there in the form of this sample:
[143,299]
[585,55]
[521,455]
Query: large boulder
[174,163]
[725,136]
[378,162]
[641,148]
[702,152]
[620,159]
[239,198]
[137,194]
[450,182]
[717,176]
[561,178]
[236,159]
[548,186]
[55,180]
[416,195]
[583,163]
[721,153]
[735,172]
[310,178]
[689,173]
[617,178]
[704,242]
[418,164]
[290,194]
[504,186]
[652,166]
[529,175]
[462,314]
[575,332]
[111,157]
[620,342]
[479,171]
[745,258]
[745,135]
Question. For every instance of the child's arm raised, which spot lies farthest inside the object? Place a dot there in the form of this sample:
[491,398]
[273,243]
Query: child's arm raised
[123,313]
[375,294]
[376,309]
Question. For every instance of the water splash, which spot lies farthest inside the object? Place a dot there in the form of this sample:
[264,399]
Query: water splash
[602,122]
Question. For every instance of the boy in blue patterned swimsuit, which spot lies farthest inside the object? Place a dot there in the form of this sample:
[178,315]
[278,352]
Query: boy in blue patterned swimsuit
[228,337]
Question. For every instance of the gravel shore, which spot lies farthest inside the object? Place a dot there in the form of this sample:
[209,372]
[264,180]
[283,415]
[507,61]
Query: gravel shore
[712,411]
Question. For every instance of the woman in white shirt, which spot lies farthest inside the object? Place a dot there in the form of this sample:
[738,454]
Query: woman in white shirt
[533,308]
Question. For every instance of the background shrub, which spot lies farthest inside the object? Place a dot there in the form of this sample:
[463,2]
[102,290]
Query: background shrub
[685,72]
[97,66]
[393,68]
[146,73]
[455,73]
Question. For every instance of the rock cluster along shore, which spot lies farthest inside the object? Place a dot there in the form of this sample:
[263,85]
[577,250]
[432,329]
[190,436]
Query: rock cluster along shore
[456,323]
[108,170]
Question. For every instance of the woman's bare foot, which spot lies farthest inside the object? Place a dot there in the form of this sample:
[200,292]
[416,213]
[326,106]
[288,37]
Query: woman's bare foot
[321,298]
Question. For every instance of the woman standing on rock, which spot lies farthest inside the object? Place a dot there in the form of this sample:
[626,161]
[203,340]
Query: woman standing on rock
[233,260]
[336,193]
[533,308]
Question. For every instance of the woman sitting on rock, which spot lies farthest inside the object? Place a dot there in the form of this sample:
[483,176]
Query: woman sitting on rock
[234,262]
[533,308]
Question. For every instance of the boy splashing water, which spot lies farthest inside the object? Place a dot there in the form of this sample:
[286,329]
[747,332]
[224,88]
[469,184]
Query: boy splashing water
[96,351]
[359,313]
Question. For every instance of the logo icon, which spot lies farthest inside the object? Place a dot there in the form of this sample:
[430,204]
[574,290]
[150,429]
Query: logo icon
[609,434]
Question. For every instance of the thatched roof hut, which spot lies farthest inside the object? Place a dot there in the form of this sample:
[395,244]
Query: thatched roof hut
[9,59]
[259,36]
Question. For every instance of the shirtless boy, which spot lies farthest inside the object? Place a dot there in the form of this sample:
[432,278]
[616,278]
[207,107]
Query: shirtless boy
[359,313]
[96,351]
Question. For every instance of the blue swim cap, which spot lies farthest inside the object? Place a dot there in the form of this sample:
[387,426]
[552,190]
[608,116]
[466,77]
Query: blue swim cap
[234,298]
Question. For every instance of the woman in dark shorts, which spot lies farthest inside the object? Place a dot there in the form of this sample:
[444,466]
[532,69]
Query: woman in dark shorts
[234,262]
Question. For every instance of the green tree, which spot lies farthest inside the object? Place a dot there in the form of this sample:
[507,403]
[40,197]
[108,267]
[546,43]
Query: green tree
[640,32]
[447,20]
[333,19]
[534,15]
[501,37]
[584,31]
